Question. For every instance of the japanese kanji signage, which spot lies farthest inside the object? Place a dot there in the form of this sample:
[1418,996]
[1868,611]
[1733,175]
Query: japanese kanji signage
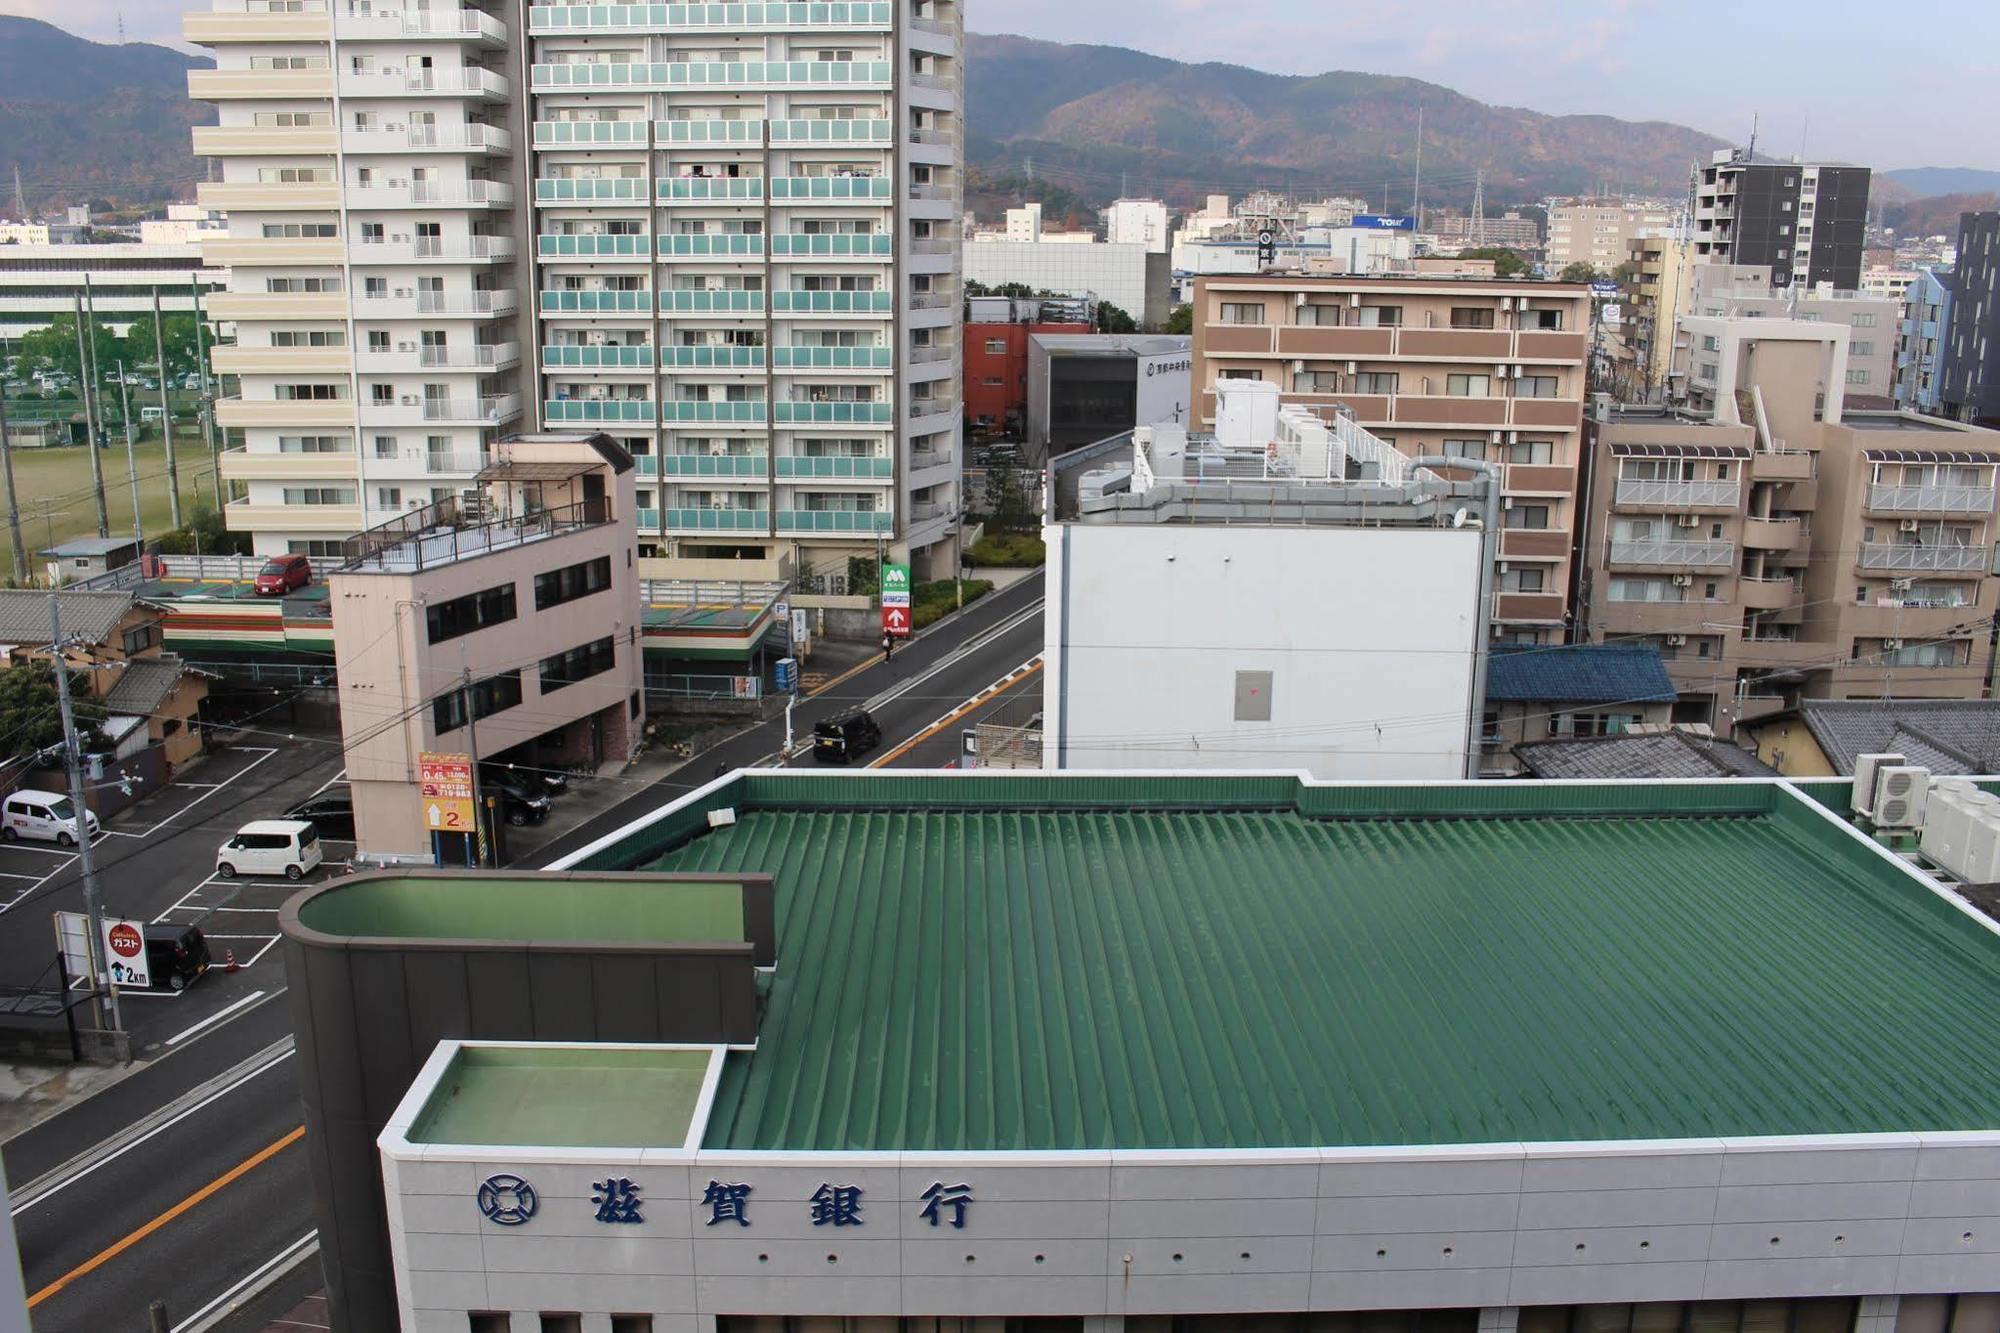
[896,621]
[444,787]
[125,952]
[510,1200]
[895,585]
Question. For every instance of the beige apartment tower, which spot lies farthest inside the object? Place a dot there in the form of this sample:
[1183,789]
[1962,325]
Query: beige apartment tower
[1469,368]
[1780,546]
[724,234]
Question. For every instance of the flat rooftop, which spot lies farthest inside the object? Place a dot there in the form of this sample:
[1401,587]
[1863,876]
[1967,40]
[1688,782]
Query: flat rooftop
[524,907]
[1089,962]
[566,1096]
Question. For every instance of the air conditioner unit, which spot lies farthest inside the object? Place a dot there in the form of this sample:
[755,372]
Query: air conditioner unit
[1515,373]
[1677,640]
[718,450]
[1299,300]
[1900,792]
[1683,580]
[397,184]
[1499,372]
[1907,525]
[1948,823]
[1354,300]
[717,504]
[406,347]
[1900,585]
[410,400]
[1866,766]
[1979,861]
[1891,645]
[1688,521]
[1354,367]
[399,238]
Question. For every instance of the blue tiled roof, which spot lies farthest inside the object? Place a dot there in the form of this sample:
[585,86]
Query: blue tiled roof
[1577,673]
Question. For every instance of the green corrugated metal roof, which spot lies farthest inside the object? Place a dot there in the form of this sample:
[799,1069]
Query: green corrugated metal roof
[959,979]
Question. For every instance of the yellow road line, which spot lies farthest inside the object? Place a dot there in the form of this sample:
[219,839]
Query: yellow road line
[974,704]
[221,1182]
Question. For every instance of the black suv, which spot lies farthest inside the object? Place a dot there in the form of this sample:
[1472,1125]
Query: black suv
[522,801]
[331,812]
[845,737]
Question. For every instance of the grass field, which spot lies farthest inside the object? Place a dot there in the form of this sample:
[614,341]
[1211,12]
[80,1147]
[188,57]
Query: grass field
[56,501]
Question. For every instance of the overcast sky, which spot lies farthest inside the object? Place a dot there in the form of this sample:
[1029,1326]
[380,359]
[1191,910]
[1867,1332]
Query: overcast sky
[1903,84]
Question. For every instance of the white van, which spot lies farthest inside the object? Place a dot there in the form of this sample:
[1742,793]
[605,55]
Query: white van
[288,847]
[43,815]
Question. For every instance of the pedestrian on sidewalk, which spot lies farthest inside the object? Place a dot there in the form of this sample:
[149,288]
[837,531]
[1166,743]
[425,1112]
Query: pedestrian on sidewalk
[888,647]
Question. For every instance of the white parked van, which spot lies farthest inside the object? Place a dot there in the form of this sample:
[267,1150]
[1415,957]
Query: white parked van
[43,815]
[288,847]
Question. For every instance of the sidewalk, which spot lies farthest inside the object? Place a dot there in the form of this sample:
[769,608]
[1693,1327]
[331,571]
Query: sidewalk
[31,1092]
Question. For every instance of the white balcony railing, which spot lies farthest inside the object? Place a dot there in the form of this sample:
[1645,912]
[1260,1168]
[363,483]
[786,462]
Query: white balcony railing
[1932,499]
[1692,554]
[1944,559]
[1707,494]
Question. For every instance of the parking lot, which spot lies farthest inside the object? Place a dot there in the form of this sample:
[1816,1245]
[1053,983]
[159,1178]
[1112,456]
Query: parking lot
[155,863]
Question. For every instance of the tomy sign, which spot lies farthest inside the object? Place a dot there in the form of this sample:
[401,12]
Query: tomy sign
[1384,222]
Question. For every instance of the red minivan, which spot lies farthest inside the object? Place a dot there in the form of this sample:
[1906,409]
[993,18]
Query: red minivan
[282,573]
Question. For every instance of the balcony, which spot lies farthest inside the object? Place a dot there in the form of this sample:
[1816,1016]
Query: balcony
[711,301]
[1766,594]
[428,139]
[1529,608]
[261,85]
[832,358]
[808,522]
[457,25]
[935,193]
[264,306]
[1674,554]
[1783,465]
[753,16]
[432,249]
[1679,496]
[834,467]
[930,301]
[638,357]
[1773,534]
[1930,559]
[415,304]
[237,359]
[591,190]
[711,246]
[735,76]
[635,248]
[832,189]
[413,357]
[835,413]
[466,82]
[265,140]
[711,356]
[1930,499]
[592,133]
[788,302]
[442,533]
[269,196]
[805,133]
[709,133]
[269,251]
[876,246]
[711,189]
[401,194]
[242,516]
[483,411]
[923,460]
[597,303]
[233,412]
[239,464]
[216,29]
[681,411]
[753,465]
[944,83]
[561,410]
[715,520]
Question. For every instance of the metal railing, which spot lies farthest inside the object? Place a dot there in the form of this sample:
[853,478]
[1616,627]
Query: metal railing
[1693,554]
[1707,494]
[1952,559]
[495,407]
[1932,499]
[441,532]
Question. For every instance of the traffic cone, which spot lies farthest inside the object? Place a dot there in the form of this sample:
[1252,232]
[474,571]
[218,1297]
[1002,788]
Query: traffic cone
[229,963]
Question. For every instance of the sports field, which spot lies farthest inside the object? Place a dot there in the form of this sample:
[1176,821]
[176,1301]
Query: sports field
[56,495]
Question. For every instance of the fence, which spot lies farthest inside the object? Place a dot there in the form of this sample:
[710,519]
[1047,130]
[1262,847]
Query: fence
[995,746]
[732,689]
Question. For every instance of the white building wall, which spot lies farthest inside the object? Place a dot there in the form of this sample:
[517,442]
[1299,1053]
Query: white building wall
[1165,388]
[1369,636]
[1114,273]
[1137,222]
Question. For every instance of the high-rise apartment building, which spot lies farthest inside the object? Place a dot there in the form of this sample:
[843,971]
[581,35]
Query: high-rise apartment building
[1971,366]
[1660,292]
[1780,545]
[723,234]
[1746,291]
[1599,232]
[1471,368]
[1807,220]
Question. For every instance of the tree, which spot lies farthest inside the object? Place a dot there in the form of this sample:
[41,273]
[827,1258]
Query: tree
[1007,507]
[1578,272]
[1182,320]
[1506,263]
[54,348]
[204,533]
[1110,319]
[31,718]
[183,352]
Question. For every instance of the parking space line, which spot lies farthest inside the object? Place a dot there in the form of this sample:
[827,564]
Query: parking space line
[18,898]
[261,754]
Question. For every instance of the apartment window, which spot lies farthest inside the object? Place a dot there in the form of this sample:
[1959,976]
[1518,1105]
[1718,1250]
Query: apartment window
[388,497]
[1861,348]
[1465,449]
[1375,381]
[140,638]
[632,1323]
[1242,312]
[1858,376]
[294,285]
[1545,320]
[1535,386]
[1239,374]
[312,444]
[493,695]
[1320,316]
[567,668]
[1523,580]
[1471,317]
[996,346]
[474,611]
[317,549]
[385,446]
[319,495]
[1378,316]
[300,230]
[309,338]
[1864,321]
[572,582]
[1532,451]
[287,62]
[1316,381]
[1467,386]
[561,1323]
[1528,516]
[485,1321]
[294,175]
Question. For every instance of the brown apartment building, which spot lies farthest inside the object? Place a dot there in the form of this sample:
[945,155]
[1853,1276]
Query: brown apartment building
[1778,546]
[1491,369]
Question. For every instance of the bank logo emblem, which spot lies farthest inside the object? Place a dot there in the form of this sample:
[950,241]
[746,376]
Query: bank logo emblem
[507,1201]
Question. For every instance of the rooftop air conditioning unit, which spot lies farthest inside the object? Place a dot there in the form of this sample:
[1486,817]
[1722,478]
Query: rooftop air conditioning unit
[1948,823]
[1979,861]
[1900,794]
[1866,766]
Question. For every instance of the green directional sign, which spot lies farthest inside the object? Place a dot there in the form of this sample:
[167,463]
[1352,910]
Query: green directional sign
[895,585]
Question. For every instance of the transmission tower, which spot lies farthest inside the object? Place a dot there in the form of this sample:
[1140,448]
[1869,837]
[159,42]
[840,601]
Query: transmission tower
[1479,208]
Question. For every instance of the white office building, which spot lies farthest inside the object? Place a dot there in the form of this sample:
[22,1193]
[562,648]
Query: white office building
[1137,222]
[40,283]
[1130,277]
[722,234]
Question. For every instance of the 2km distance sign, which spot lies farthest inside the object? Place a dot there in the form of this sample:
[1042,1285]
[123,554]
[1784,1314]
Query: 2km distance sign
[125,953]
[444,790]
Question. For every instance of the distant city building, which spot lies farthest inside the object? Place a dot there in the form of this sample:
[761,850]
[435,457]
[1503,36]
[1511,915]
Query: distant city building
[1130,277]
[1512,230]
[1972,348]
[39,283]
[1571,692]
[1921,337]
[24,233]
[1659,293]
[1600,232]
[996,367]
[184,224]
[1475,368]
[1084,387]
[1774,544]
[1745,291]
[1806,221]
[1887,282]
[1137,222]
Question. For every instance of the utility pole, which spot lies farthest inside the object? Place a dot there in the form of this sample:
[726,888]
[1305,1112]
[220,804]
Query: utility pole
[1417,188]
[207,399]
[131,466]
[93,901]
[13,501]
[479,820]
[90,421]
[166,414]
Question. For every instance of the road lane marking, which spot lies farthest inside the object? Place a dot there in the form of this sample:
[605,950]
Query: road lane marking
[212,1188]
[986,696]
[208,1316]
[215,1017]
[957,655]
[52,1183]
[262,755]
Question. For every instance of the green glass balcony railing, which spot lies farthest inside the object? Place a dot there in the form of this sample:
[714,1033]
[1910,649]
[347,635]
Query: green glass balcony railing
[711,189]
[749,14]
[832,303]
[702,410]
[589,133]
[567,191]
[826,189]
[712,358]
[814,130]
[720,301]
[838,245]
[717,520]
[670,132]
[638,358]
[592,303]
[832,358]
[714,465]
[711,246]
[608,409]
[851,414]
[835,520]
[835,467]
[593,247]
[678,74]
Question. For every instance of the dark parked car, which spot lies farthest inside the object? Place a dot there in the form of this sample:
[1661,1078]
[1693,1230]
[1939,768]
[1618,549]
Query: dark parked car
[332,813]
[175,955]
[521,802]
[551,781]
[845,737]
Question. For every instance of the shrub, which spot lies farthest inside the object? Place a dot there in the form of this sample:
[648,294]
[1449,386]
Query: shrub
[931,602]
[1007,550]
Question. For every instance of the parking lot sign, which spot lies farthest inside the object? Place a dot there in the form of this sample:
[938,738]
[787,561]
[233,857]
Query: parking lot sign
[125,952]
[444,789]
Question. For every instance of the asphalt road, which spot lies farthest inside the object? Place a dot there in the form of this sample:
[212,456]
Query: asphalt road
[184,1182]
